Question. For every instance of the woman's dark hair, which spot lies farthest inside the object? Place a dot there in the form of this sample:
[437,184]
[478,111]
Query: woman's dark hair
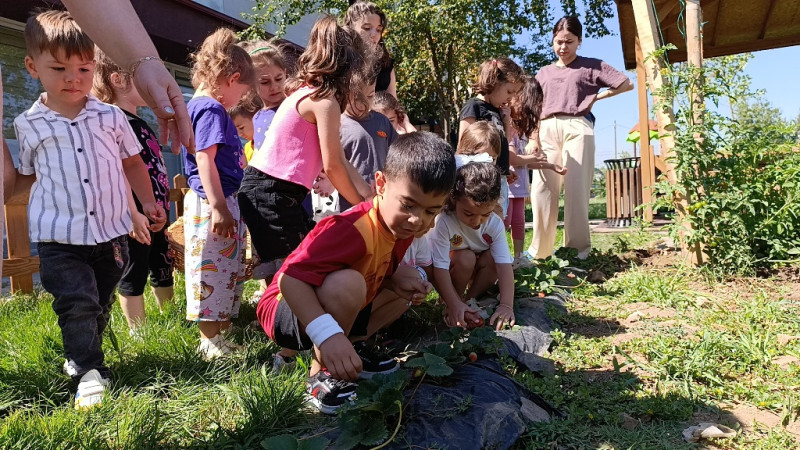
[571,24]
[526,106]
[424,159]
[336,62]
[358,10]
[479,182]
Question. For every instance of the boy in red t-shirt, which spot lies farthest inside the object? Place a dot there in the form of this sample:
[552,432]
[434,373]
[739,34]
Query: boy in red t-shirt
[343,282]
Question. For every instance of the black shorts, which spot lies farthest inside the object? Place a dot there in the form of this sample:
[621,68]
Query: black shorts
[288,333]
[153,259]
[274,214]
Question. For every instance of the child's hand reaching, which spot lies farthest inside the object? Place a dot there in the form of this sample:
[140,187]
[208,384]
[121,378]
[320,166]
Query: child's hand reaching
[222,222]
[141,231]
[340,358]
[503,315]
[407,284]
[323,186]
[156,214]
[456,315]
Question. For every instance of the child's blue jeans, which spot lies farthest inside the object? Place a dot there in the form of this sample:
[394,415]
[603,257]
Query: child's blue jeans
[82,280]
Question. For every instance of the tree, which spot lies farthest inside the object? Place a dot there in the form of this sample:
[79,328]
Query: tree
[438,44]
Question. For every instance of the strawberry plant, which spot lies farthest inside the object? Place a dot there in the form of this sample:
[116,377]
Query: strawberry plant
[539,278]
[380,400]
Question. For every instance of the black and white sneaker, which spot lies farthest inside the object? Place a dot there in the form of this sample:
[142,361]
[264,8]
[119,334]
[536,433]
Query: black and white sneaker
[374,360]
[329,394]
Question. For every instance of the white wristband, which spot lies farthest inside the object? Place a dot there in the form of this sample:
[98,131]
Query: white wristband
[321,328]
[422,273]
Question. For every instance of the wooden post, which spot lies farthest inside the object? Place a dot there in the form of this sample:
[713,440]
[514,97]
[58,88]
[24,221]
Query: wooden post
[20,265]
[176,194]
[649,41]
[648,166]
[694,56]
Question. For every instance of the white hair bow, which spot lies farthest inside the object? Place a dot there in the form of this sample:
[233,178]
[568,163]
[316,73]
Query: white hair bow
[462,160]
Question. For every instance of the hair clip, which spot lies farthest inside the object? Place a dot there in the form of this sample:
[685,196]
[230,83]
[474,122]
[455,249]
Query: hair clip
[494,62]
[253,52]
[462,160]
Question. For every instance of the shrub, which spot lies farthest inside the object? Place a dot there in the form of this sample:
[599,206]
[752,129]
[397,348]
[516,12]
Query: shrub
[740,178]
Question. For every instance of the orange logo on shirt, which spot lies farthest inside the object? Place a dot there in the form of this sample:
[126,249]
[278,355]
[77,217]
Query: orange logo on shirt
[381,133]
[456,240]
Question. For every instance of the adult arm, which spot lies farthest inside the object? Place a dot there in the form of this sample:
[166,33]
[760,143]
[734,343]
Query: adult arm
[123,37]
[610,92]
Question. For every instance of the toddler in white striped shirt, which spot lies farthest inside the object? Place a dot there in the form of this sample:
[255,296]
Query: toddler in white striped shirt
[81,208]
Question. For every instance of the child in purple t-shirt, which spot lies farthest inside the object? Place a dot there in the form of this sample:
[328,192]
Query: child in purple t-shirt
[213,229]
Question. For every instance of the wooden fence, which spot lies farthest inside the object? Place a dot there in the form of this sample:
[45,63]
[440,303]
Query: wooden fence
[20,266]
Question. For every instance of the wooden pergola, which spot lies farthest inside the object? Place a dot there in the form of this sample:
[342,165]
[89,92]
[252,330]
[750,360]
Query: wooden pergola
[728,27]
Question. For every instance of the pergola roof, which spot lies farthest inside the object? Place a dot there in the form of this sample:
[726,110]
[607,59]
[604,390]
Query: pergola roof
[731,26]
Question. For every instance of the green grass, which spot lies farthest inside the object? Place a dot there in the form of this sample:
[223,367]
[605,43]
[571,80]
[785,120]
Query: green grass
[162,395]
[710,347]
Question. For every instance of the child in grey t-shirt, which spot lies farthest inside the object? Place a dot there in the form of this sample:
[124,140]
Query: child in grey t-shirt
[366,136]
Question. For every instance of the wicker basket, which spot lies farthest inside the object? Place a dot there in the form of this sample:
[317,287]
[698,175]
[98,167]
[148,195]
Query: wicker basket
[177,246]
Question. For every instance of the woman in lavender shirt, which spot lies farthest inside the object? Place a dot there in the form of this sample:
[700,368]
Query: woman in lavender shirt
[571,85]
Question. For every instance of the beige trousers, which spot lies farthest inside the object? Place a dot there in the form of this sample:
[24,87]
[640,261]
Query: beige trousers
[568,141]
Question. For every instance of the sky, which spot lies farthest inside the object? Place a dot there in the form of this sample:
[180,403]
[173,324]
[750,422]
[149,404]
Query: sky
[769,70]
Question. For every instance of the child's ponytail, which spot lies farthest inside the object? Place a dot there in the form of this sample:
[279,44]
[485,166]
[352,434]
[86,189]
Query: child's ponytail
[494,72]
[479,182]
[336,62]
[219,56]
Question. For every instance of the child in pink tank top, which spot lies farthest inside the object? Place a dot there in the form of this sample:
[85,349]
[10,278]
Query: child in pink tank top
[302,141]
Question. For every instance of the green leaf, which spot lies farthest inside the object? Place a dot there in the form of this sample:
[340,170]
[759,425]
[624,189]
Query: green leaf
[440,370]
[374,433]
[431,359]
[417,361]
[314,443]
[280,442]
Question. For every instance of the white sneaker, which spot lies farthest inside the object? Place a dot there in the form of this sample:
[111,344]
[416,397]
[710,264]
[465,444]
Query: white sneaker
[91,389]
[68,369]
[216,347]
[524,261]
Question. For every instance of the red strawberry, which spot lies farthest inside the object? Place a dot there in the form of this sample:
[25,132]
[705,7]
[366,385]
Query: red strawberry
[473,356]
[541,295]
